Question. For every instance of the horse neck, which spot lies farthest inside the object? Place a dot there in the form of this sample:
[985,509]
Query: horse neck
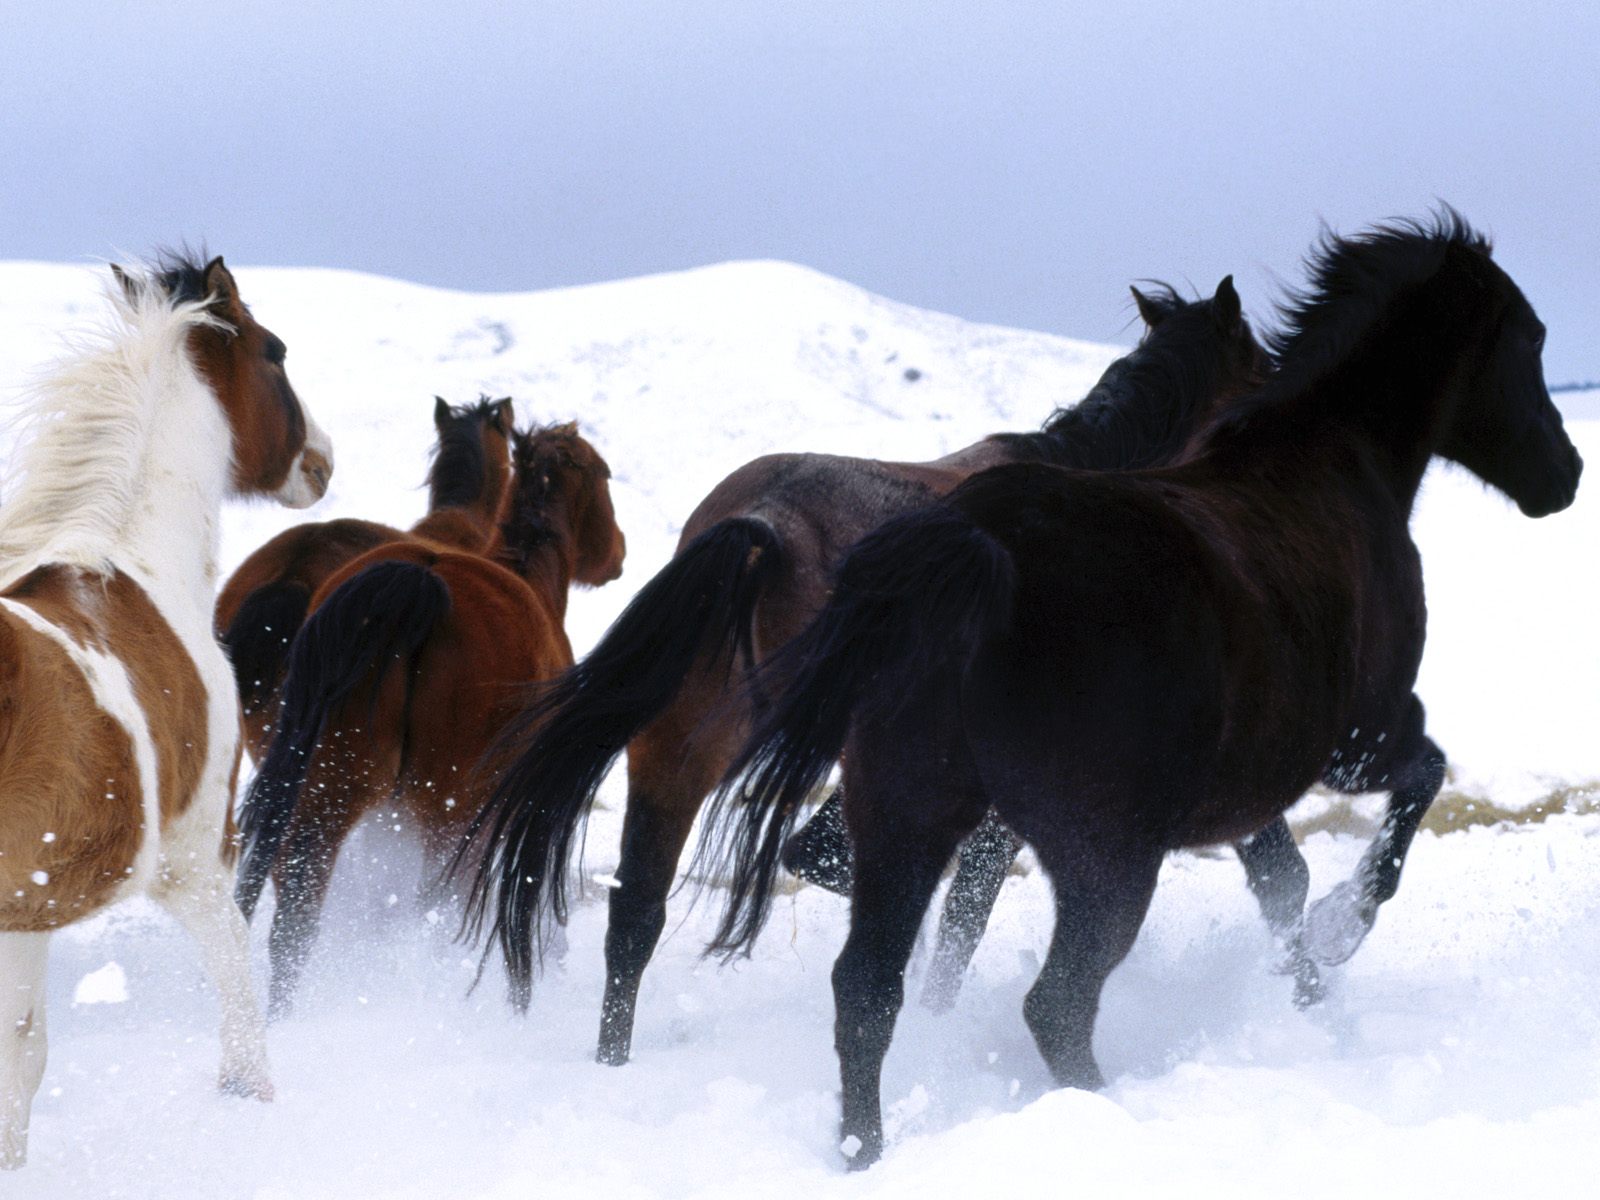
[542,552]
[1141,419]
[446,500]
[126,475]
[1393,397]
[173,526]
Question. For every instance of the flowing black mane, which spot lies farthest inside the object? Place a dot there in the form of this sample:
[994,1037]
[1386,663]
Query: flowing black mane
[1353,282]
[456,478]
[1146,403]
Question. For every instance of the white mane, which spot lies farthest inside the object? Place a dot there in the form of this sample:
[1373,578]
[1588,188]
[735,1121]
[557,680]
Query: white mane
[91,429]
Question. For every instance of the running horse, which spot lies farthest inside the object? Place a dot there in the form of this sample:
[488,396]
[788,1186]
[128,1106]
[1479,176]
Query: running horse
[667,682]
[413,659]
[1125,664]
[266,599]
[119,725]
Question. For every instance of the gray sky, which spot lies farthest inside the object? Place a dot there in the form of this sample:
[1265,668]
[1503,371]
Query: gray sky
[1010,162]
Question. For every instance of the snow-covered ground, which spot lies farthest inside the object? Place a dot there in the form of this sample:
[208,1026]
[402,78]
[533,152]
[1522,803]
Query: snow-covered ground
[1457,1051]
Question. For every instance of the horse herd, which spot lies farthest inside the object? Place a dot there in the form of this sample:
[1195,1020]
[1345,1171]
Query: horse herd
[1153,624]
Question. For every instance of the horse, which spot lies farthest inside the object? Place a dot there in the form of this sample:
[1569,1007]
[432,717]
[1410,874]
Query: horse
[412,660]
[119,727]
[1124,664]
[752,567]
[266,599]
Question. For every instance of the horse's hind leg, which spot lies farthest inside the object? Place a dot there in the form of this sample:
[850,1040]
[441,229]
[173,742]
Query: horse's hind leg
[986,856]
[1101,900]
[329,808]
[1338,923]
[1279,878]
[201,900]
[819,852]
[22,1038]
[906,819]
[671,767]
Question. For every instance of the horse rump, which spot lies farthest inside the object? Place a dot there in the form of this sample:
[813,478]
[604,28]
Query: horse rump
[259,636]
[915,598]
[699,607]
[380,616]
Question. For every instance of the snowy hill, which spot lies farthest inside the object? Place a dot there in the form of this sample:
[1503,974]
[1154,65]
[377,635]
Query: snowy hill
[1461,1036]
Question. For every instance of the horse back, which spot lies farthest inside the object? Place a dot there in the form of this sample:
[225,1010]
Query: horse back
[1200,652]
[106,729]
[306,554]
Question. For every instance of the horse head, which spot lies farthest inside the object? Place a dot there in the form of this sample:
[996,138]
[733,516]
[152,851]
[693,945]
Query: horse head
[278,449]
[562,482]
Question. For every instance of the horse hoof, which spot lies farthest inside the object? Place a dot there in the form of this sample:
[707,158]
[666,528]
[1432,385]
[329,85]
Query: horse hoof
[246,1085]
[13,1154]
[1337,924]
[858,1154]
[1309,990]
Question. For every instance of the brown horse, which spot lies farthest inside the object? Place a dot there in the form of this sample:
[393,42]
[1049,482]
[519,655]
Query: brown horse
[267,598]
[754,565]
[413,659]
[119,727]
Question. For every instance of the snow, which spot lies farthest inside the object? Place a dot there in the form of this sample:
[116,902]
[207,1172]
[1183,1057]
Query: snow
[1456,1050]
[108,985]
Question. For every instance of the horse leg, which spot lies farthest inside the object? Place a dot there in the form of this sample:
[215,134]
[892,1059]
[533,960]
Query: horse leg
[986,856]
[819,852]
[1338,923]
[23,1044]
[1279,878]
[902,845]
[328,810]
[670,770]
[1101,900]
[202,902]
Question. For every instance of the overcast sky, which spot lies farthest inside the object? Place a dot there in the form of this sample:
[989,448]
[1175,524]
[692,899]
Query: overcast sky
[1009,162]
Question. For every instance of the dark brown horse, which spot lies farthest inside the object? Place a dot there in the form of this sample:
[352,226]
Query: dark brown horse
[412,660]
[1124,664]
[265,601]
[753,566]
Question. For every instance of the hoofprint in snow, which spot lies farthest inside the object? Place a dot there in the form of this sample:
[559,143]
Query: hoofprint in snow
[1456,1049]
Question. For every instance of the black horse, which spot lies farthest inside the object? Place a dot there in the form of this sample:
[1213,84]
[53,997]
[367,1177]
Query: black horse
[1123,664]
[667,680]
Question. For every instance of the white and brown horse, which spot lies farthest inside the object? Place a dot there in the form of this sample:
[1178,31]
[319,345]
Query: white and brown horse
[119,722]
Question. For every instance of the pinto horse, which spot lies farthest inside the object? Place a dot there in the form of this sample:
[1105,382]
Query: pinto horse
[119,727]
[1124,664]
[413,659]
[752,568]
[266,599]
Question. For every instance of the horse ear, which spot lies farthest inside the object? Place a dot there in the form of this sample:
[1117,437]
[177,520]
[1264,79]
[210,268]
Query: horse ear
[504,414]
[441,411]
[1225,305]
[124,280]
[221,287]
[1149,311]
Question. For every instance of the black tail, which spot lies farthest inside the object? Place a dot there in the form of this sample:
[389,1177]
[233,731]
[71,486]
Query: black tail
[701,603]
[913,599]
[257,641]
[382,615]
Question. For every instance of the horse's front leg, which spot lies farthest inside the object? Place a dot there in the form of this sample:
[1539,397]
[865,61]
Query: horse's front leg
[1338,923]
